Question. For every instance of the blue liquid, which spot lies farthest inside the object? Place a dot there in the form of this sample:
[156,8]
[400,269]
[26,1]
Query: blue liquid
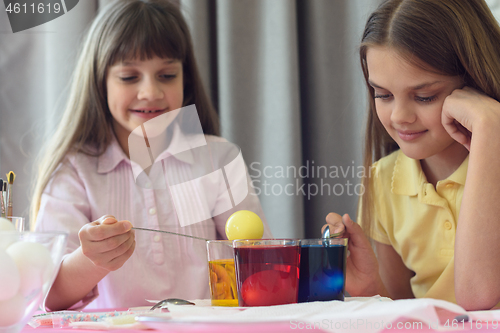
[322,273]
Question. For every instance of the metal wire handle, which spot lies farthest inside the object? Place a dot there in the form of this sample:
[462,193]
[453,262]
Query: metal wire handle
[172,233]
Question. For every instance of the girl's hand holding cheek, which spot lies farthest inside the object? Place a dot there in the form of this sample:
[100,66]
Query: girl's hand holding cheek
[108,243]
[362,270]
[473,119]
[466,109]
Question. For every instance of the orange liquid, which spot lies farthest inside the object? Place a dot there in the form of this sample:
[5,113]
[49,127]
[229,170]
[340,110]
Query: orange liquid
[222,282]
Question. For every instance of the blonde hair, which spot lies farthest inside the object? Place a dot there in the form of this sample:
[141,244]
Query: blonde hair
[450,37]
[122,30]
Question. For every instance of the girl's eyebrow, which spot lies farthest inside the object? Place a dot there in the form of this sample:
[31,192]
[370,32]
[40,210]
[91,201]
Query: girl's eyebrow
[420,86]
[425,85]
[370,82]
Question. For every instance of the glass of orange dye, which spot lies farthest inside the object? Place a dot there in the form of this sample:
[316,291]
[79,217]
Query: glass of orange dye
[221,274]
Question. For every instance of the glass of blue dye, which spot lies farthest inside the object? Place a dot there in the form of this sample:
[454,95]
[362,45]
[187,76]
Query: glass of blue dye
[322,269]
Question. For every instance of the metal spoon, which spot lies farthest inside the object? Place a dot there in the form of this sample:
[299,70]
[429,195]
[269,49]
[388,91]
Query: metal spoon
[173,301]
[326,233]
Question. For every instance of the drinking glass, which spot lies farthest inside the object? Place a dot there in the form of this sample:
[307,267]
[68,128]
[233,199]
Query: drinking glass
[20,223]
[221,274]
[267,271]
[29,262]
[322,269]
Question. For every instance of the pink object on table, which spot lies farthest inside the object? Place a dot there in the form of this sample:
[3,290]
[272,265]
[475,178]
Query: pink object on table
[406,325]
[191,327]
[271,327]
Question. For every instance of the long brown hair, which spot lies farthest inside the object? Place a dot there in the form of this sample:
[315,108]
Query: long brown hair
[122,30]
[450,37]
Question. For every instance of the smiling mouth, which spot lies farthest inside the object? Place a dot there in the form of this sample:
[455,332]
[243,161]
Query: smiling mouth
[148,111]
[411,133]
[410,136]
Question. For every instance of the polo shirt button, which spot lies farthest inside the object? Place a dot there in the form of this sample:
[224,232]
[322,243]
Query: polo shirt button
[148,185]
[447,225]
[157,238]
[152,211]
[450,185]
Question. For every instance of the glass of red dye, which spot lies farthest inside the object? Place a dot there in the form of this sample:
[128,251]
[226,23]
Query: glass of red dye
[267,271]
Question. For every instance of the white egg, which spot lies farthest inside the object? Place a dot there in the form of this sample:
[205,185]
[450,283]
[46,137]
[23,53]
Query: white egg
[6,225]
[34,263]
[9,276]
[6,240]
[12,310]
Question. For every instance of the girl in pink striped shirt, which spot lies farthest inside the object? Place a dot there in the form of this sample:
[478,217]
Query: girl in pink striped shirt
[136,65]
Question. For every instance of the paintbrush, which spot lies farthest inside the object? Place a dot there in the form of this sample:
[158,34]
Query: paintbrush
[11,176]
[1,198]
[5,194]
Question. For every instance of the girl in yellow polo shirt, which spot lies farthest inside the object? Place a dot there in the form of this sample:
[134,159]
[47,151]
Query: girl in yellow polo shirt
[432,68]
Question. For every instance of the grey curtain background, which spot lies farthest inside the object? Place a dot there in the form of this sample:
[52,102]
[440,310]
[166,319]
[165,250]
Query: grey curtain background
[286,80]
[283,74]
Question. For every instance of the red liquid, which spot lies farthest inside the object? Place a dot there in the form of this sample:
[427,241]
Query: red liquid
[267,275]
